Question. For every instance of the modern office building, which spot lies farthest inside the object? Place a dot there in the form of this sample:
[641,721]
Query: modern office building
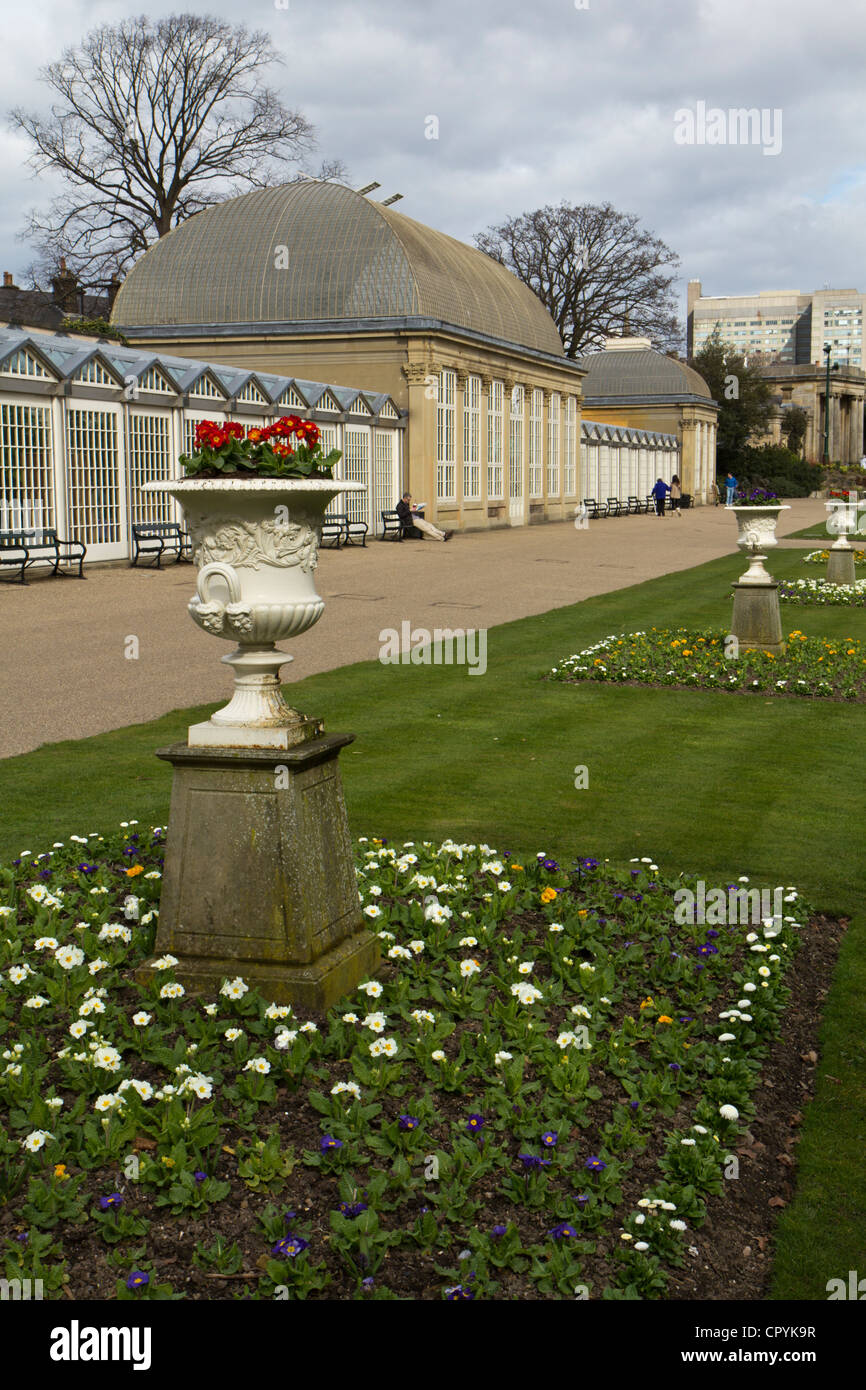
[781,326]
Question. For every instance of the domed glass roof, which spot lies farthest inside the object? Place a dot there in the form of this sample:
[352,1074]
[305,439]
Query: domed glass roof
[623,373]
[318,252]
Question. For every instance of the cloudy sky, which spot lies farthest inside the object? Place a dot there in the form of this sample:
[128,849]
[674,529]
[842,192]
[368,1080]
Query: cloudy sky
[572,100]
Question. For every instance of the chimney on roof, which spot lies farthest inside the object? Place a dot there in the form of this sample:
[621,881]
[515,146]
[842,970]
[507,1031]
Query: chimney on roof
[8,282]
[113,287]
[65,288]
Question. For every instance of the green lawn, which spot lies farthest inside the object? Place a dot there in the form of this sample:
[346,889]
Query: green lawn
[703,781]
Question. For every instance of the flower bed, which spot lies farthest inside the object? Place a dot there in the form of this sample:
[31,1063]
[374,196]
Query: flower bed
[821,591]
[537,1099]
[811,666]
[820,557]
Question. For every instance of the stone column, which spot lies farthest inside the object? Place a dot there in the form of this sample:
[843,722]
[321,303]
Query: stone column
[420,460]
[486,382]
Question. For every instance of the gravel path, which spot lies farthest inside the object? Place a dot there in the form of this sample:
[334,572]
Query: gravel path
[64,673]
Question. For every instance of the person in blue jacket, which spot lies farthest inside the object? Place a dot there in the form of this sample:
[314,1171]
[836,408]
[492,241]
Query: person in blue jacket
[730,488]
[659,492]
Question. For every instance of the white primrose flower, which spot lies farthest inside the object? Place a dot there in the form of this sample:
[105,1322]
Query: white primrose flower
[423,1016]
[68,957]
[259,1064]
[234,989]
[350,1088]
[54,1102]
[417,947]
[399,953]
[468,942]
[107,1102]
[18,973]
[282,1040]
[232,1034]
[115,932]
[469,967]
[371,988]
[96,965]
[372,911]
[308,1028]
[525,967]
[142,1019]
[383,1047]
[108,1058]
[501,1057]
[164,963]
[350,1018]
[729,1112]
[678,1225]
[376,1022]
[438,1055]
[42,943]
[641,1245]
[35,1140]
[172,991]
[278,1010]
[36,1001]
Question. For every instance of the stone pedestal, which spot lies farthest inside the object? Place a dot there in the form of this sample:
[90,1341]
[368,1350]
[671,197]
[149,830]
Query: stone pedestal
[840,565]
[259,877]
[757,622]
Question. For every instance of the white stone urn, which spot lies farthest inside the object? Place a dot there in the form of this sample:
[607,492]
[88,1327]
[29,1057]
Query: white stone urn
[842,521]
[757,534]
[255,544]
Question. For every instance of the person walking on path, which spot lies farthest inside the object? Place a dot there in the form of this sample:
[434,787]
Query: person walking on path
[714,493]
[658,492]
[676,495]
[730,488]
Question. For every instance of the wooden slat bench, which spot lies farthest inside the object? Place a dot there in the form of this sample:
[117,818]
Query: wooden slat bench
[158,538]
[23,549]
[594,509]
[338,529]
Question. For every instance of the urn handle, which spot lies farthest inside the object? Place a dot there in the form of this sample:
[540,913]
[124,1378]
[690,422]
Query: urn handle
[225,572]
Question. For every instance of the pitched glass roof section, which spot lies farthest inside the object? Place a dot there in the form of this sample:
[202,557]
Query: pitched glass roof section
[67,356]
[317,252]
[622,376]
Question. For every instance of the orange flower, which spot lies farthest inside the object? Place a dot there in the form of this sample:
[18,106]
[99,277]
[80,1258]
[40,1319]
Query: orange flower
[663,1018]
[135,871]
[518,868]
[60,1171]
[647,1003]
[548,895]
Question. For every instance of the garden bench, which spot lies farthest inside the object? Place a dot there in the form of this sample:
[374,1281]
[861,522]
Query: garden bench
[338,528]
[635,507]
[593,508]
[392,527]
[651,503]
[615,507]
[157,538]
[21,549]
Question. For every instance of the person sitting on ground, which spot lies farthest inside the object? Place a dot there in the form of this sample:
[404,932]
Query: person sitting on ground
[658,492]
[414,524]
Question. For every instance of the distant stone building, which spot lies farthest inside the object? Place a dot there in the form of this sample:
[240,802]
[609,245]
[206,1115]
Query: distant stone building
[67,300]
[806,386]
[631,384]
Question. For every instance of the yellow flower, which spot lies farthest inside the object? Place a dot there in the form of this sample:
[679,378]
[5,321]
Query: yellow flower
[135,871]
[169,1162]
[663,1018]
[582,911]
[60,1171]
[647,1003]
[548,895]
[517,868]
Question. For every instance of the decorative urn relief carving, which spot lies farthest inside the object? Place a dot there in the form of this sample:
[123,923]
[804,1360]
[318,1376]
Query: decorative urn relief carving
[255,544]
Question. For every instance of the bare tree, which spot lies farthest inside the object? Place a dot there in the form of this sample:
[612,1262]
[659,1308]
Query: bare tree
[153,122]
[596,270]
